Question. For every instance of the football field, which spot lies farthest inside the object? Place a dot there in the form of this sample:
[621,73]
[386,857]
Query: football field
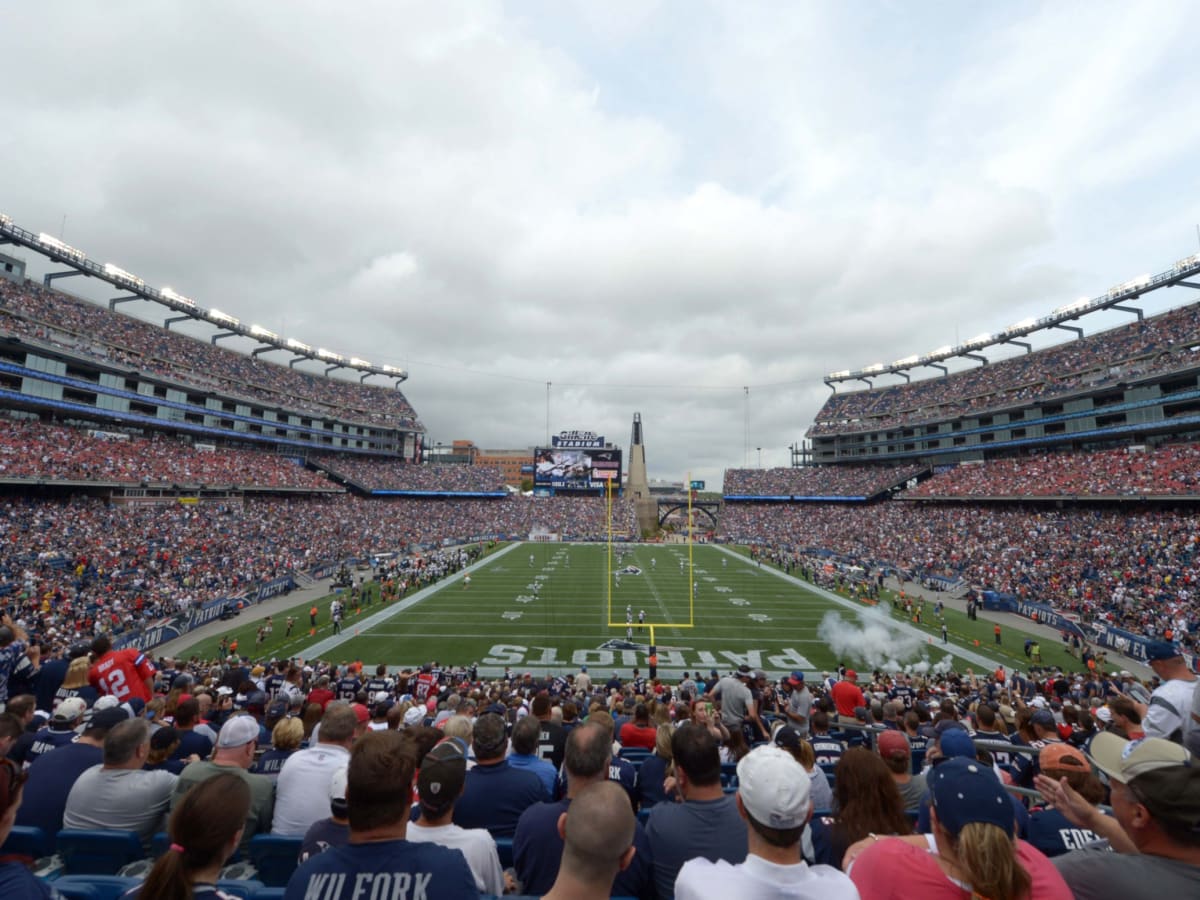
[551,607]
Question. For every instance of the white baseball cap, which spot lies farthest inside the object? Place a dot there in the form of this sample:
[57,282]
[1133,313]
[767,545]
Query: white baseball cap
[774,787]
[70,710]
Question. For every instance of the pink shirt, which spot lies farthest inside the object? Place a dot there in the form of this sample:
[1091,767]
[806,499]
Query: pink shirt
[876,874]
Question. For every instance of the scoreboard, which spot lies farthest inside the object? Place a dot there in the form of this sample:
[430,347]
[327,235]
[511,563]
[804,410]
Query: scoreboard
[562,469]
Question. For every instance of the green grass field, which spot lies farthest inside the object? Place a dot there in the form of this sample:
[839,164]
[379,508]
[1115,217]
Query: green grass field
[546,607]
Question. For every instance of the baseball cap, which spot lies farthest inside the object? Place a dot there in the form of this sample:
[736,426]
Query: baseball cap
[797,677]
[964,791]
[337,792]
[773,787]
[956,742]
[1122,760]
[257,699]
[1043,717]
[105,719]
[1061,755]
[743,671]
[278,708]
[894,745]
[238,731]
[851,675]
[1104,714]
[361,713]
[69,710]
[1038,702]
[108,701]
[1160,650]
[787,736]
[224,691]
[414,716]
[443,773]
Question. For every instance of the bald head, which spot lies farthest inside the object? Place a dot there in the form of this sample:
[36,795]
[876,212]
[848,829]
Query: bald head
[598,833]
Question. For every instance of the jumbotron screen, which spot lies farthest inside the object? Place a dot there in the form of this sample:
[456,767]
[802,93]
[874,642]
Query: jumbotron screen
[576,470]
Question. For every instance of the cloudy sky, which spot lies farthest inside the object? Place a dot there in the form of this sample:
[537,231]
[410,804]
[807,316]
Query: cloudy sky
[692,210]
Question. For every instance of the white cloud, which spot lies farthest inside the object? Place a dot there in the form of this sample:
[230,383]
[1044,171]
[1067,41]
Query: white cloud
[650,206]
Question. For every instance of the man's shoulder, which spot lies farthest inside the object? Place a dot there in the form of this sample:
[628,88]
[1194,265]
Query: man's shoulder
[540,815]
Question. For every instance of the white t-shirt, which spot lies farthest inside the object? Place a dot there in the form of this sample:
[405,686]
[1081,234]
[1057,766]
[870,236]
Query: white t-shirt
[758,879]
[476,845]
[1170,708]
[302,789]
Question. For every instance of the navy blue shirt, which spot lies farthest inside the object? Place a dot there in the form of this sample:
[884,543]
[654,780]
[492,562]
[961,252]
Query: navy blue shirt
[192,742]
[271,762]
[48,739]
[537,853]
[50,781]
[384,869]
[494,798]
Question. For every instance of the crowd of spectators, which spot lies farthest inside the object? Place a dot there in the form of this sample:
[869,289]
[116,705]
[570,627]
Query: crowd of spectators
[1171,469]
[41,452]
[40,314]
[397,475]
[750,782]
[1163,343]
[1134,568]
[83,565]
[817,481]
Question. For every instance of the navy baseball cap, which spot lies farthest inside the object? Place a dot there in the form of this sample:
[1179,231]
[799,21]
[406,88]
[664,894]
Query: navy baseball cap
[1160,650]
[964,791]
[1043,718]
[797,677]
[956,742]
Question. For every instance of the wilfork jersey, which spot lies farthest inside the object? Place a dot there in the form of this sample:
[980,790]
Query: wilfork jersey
[396,870]
[122,673]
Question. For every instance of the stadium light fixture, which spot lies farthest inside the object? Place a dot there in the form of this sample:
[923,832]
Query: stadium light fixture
[259,331]
[1021,326]
[50,240]
[361,363]
[1141,281]
[980,339]
[322,353]
[117,272]
[907,361]
[941,351]
[5,220]
[177,297]
[392,370]
[874,367]
[293,344]
[217,316]
[1186,263]
[1079,304]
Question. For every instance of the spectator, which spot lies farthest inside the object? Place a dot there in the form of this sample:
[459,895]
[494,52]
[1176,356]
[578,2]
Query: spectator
[205,830]
[12,647]
[50,782]
[820,794]
[302,788]
[525,736]
[67,717]
[1156,817]
[378,859]
[538,843]
[15,879]
[639,732]
[706,824]
[331,832]
[495,794]
[655,769]
[597,846]
[867,801]
[773,799]
[440,782]
[897,756]
[124,674]
[1169,712]
[234,755]
[120,794]
[973,832]
[191,740]
[286,738]
[1050,831]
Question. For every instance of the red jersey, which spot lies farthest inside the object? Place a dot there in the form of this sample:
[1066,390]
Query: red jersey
[123,674]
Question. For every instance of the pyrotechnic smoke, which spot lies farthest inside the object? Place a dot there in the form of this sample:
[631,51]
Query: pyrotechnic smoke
[875,642]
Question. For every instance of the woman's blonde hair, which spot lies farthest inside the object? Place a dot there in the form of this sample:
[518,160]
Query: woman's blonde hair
[287,734]
[988,858]
[76,676]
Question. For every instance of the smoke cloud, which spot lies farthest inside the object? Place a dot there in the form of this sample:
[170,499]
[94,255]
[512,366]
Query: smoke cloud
[875,642]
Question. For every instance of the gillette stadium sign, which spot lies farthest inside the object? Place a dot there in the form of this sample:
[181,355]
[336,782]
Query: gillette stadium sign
[578,440]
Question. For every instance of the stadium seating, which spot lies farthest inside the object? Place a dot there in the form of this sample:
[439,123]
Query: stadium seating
[95,852]
[504,847]
[823,481]
[25,840]
[93,887]
[274,856]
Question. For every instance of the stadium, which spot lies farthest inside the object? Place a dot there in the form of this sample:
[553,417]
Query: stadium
[266,633]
